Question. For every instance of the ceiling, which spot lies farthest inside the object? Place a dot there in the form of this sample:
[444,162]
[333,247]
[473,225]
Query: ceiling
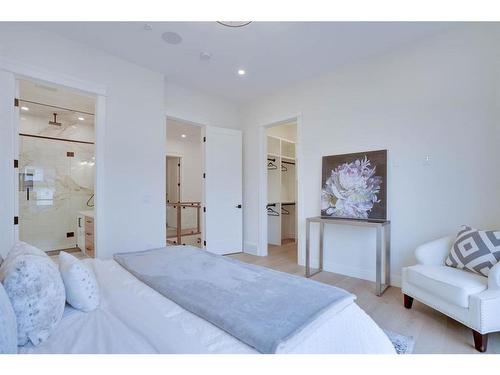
[274,54]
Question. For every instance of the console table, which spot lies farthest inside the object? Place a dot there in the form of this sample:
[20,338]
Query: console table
[382,243]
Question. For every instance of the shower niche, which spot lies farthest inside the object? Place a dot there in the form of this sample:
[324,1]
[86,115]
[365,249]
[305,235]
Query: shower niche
[56,165]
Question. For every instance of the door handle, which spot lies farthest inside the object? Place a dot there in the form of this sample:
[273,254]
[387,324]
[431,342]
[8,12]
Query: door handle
[238,206]
[27,194]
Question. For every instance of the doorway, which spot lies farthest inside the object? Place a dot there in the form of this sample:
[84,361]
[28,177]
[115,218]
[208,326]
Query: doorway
[173,175]
[184,183]
[56,165]
[282,188]
[210,210]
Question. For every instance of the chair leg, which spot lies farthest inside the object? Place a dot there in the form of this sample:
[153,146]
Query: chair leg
[408,301]
[480,341]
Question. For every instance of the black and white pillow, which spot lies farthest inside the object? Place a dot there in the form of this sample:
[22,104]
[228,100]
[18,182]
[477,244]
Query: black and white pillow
[475,250]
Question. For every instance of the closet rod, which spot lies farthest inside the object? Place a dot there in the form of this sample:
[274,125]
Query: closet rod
[288,204]
[287,162]
[269,159]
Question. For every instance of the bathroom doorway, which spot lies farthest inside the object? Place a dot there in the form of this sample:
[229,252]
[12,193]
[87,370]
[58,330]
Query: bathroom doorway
[56,167]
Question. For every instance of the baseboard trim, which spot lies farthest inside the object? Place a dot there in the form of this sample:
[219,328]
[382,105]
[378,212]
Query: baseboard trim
[359,273]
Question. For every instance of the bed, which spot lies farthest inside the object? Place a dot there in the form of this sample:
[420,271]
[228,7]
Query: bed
[134,318]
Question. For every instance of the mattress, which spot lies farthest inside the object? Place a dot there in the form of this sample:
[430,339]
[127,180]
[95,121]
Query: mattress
[133,318]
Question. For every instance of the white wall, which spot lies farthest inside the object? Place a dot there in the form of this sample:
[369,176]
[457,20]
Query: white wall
[201,108]
[131,210]
[434,98]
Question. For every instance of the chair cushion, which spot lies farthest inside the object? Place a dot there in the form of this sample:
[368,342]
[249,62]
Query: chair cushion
[450,284]
[475,250]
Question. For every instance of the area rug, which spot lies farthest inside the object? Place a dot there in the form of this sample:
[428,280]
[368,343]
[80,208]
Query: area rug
[402,344]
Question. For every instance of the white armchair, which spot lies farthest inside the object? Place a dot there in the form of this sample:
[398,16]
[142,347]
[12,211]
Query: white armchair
[469,298]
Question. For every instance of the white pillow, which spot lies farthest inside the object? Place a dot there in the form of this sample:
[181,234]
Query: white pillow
[8,325]
[23,248]
[82,289]
[36,292]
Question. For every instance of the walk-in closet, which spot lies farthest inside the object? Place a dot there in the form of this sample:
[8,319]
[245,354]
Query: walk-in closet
[281,184]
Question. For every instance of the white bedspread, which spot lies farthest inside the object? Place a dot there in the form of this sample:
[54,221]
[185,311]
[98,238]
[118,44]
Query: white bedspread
[133,318]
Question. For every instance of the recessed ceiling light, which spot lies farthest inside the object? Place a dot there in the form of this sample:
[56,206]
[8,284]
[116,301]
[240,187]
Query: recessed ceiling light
[148,27]
[205,56]
[25,108]
[81,118]
[241,72]
[171,38]
[183,135]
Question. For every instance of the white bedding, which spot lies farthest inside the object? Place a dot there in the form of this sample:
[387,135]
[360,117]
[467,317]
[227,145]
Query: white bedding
[133,318]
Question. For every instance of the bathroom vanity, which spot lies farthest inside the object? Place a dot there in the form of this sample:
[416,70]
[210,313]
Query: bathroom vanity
[85,232]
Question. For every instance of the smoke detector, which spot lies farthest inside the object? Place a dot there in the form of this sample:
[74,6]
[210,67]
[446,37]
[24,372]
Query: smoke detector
[205,56]
[171,38]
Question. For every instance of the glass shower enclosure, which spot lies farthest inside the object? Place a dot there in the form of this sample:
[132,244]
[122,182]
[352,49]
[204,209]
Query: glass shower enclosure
[56,173]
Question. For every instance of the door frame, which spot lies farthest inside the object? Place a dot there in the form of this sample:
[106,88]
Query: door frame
[20,70]
[299,209]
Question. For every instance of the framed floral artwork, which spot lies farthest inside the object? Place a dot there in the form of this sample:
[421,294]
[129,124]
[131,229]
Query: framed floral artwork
[355,185]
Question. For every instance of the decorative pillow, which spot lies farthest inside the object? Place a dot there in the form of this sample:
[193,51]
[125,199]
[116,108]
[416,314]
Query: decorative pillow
[23,248]
[8,325]
[82,289]
[36,292]
[475,250]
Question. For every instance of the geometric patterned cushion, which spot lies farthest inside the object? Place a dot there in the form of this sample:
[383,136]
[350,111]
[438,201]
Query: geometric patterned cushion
[475,250]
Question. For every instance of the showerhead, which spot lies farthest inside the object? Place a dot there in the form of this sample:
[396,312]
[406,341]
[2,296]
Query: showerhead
[55,121]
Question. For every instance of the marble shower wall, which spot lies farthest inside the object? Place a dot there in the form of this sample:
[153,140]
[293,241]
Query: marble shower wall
[62,184]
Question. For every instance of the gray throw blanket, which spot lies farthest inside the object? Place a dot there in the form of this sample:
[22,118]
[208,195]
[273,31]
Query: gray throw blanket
[258,306]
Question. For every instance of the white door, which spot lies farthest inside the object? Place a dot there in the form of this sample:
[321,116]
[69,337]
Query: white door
[223,190]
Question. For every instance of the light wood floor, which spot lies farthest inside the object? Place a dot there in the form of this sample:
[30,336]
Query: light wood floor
[433,331]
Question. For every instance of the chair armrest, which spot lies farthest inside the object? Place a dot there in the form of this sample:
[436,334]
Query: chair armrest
[494,277]
[484,308]
[434,253]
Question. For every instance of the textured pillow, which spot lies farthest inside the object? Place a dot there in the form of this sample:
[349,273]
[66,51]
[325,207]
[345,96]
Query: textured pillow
[23,248]
[8,325]
[36,292]
[82,290]
[475,250]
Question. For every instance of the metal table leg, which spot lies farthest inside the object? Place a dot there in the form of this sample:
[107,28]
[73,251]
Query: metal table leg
[388,254]
[308,249]
[308,244]
[378,276]
[380,288]
[321,245]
